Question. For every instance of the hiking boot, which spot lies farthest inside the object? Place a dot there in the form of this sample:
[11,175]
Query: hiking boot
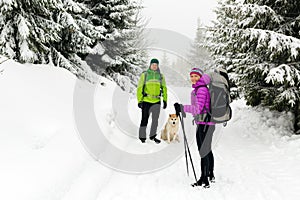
[202,181]
[157,141]
[211,177]
[143,140]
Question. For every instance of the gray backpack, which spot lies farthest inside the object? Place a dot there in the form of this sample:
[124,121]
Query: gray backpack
[219,90]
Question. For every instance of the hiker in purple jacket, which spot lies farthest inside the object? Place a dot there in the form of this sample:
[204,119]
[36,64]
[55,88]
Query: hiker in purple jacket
[200,109]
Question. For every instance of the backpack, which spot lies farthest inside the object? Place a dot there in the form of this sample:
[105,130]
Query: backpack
[145,80]
[219,90]
[220,110]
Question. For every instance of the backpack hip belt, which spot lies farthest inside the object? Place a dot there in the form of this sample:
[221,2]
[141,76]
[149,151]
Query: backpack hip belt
[203,117]
[152,96]
[200,117]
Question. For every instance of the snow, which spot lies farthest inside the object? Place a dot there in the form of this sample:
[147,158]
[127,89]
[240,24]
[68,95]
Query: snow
[254,13]
[283,73]
[7,4]
[275,41]
[98,49]
[42,157]
[23,28]
[276,74]
[26,53]
[10,43]
[74,7]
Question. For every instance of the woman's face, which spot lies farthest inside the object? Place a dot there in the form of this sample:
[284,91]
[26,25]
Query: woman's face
[194,78]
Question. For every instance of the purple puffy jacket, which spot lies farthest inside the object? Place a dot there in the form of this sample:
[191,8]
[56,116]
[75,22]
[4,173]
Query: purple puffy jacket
[200,100]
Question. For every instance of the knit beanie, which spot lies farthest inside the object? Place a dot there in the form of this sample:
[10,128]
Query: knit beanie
[197,71]
[154,60]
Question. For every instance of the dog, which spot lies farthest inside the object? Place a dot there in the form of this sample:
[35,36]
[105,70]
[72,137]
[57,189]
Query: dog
[170,131]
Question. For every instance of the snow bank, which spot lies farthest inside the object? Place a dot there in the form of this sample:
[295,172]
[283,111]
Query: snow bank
[40,152]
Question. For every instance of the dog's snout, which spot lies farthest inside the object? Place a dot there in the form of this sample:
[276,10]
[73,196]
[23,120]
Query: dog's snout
[173,122]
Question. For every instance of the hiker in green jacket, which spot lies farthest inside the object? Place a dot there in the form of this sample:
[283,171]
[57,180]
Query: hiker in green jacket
[151,87]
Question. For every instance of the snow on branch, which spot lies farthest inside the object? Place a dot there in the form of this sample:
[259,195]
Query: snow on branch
[283,73]
[275,42]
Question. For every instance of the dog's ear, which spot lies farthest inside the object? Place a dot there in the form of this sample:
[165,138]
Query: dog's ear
[170,115]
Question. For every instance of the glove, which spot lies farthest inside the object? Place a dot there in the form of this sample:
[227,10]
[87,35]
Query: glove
[165,105]
[179,109]
[140,105]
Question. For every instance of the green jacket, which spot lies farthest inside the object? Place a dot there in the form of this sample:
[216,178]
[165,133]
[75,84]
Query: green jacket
[152,87]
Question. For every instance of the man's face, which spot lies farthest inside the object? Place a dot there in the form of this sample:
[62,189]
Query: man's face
[154,66]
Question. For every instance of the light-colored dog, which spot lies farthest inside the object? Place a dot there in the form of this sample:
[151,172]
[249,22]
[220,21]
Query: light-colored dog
[170,131]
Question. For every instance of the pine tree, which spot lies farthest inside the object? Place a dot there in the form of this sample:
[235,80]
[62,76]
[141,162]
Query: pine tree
[27,29]
[165,60]
[183,67]
[123,51]
[67,33]
[199,55]
[47,31]
[258,42]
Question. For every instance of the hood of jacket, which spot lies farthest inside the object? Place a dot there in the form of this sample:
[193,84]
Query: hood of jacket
[203,81]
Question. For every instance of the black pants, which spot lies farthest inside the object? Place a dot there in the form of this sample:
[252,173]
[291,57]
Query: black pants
[204,139]
[154,109]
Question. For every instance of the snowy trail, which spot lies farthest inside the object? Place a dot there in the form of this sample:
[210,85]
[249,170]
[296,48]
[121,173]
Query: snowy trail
[42,156]
[89,183]
[247,162]
[246,167]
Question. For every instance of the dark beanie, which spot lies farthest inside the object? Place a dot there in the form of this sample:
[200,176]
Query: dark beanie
[154,60]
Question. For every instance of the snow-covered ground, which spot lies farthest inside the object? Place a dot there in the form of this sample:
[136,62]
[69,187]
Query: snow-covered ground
[42,156]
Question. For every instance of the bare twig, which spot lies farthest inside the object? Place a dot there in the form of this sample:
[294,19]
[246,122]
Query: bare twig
[4,61]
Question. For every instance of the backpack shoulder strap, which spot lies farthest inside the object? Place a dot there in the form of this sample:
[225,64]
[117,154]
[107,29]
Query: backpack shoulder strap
[195,94]
[197,88]
[145,79]
[160,80]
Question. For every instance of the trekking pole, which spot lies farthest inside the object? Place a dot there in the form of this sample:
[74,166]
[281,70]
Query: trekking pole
[187,147]
[186,159]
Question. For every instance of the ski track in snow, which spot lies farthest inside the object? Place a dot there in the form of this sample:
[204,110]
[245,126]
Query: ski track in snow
[42,158]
